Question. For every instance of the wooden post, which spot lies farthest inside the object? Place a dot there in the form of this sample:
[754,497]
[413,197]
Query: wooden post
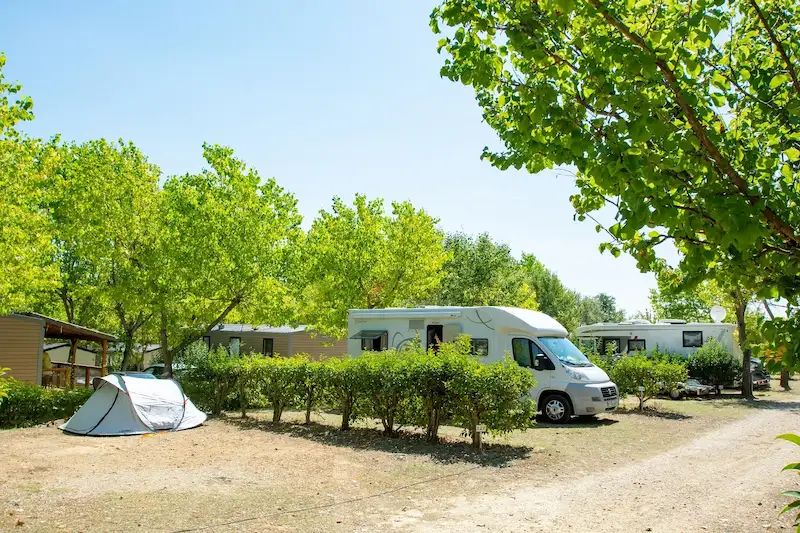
[72,354]
[87,375]
[104,358]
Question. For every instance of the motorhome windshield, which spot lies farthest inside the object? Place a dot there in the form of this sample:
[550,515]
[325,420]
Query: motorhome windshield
[565,351]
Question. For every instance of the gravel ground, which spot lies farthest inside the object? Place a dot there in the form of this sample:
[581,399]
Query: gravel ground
[727,480]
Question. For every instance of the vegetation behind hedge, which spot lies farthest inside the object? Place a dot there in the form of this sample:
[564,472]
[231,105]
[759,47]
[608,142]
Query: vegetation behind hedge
[411,387]
[27,404]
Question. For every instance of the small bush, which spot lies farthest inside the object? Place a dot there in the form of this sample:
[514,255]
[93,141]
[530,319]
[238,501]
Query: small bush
[210,378]
[635,371]
[345,388]
[713,364]
[27,404]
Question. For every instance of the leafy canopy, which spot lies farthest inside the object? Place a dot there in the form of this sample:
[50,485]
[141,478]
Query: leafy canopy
[360,257]
[682,116]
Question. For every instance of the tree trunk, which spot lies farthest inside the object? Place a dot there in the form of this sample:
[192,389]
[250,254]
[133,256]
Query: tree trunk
[347,409]
[165,351]
[432,433]
[747,379]
[309,406]
[785,378]
[243,396]
[127,351]
[277,411]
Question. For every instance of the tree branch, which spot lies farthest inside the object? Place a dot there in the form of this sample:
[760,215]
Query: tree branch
[778,45]
[722,163]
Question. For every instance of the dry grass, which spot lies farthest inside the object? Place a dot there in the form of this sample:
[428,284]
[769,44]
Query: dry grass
[262,476]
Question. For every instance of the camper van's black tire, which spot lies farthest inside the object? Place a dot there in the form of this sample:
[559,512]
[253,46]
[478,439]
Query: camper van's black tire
[556,408]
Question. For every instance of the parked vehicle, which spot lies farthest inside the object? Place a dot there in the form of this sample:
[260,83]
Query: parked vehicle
[157,370]
[567,383]
[693,387]
[673,336]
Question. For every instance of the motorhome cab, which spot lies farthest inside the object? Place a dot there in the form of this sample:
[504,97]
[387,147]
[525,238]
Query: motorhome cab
[567,383]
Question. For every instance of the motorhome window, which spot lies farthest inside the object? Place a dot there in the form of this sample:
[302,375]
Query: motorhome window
[610,345]
[522,352]
[565,351]
[234,345]
[267,347]
[692,339]
[480,347]
[373,340]
[636,345]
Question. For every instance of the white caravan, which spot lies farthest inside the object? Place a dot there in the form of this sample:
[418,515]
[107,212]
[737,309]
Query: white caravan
[673,336]
[567,383]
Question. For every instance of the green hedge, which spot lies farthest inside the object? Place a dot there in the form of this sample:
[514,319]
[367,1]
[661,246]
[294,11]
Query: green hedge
[411,387]
[27,404]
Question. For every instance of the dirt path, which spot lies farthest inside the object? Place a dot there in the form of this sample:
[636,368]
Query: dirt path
[725,481]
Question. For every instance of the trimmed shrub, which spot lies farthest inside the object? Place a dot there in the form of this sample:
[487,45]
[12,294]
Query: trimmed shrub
[495,395]
[278,379]
[713,364]
[345,388]
[211,378]
[388,383]
[27,404]
[639,371]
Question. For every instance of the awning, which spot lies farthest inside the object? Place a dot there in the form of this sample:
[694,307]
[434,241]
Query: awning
[370,334]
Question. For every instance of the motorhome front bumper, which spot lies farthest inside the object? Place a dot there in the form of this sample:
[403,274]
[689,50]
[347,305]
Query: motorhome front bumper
[593,398]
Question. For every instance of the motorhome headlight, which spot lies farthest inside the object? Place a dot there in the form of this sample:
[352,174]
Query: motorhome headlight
[578,376]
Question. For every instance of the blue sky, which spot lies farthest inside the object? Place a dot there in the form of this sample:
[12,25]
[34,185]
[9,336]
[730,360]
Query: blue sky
[330,98]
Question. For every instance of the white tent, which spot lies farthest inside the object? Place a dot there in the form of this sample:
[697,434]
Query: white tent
[126,405]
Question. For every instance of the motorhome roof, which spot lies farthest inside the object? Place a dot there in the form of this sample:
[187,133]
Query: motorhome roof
[659,325]
[521,319]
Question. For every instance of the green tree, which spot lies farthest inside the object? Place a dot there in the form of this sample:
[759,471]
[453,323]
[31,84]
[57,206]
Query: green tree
[680,116]
[552,296]
[26,267]
[104,205]
[360,257]
[608,308]
[225,243]
[479,271]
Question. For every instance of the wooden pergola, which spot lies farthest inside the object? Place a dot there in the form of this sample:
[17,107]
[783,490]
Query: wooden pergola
[58,329]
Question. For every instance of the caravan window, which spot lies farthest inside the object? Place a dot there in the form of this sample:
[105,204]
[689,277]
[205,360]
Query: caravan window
[268,347]
[480,347]
[636,345]
[692,339]
[373,340]
[235,345]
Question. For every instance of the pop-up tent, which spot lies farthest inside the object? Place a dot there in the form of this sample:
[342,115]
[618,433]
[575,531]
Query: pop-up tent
[127,405]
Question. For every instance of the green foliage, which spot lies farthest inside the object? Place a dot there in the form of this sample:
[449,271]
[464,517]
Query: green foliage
[644,377]
[713,364]
[225,244]
[479,272]
[795,495]
[27,404]
[681,117]
[5,383]
[210,377]
[388,384]
[409,387]
[359,257]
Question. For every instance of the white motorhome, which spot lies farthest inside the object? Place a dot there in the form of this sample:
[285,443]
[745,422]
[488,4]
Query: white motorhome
[567,383]
[673,336]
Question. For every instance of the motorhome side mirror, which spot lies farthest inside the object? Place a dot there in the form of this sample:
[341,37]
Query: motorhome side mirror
[537,363]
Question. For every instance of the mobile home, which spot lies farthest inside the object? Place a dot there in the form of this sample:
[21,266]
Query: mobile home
[567,383]
[673,336]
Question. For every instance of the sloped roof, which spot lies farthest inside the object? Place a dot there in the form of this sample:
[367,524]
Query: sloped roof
[58,329]
[251,328]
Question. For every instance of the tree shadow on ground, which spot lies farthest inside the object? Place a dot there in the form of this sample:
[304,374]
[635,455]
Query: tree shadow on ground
[652,412]
[359,438]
